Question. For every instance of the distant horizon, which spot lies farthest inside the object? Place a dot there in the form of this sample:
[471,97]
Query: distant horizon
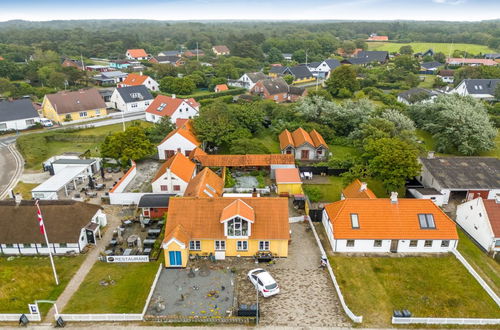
[256,10]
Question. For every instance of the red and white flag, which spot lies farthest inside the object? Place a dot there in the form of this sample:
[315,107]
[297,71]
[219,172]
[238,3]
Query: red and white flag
[40,218]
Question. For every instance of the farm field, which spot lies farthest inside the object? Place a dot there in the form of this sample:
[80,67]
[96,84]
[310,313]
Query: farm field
[445,48]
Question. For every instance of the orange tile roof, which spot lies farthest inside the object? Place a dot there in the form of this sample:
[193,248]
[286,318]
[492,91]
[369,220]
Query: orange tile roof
[134,79]
[240,209]
[179,165]
[200,217]
[205,184]
[493,210]
[286,139]
[353,190]
[221,87]
[381,219]
[378,38]
[244,160]
[299,137]
[179,122]
[459,60]
[178,233]
[135,53]
[170,105]
[221,49]
[185,132]
[196,152]
[287,175]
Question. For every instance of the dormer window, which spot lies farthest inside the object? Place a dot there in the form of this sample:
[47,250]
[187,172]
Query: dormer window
[237,227]
[237,218]
[426,221]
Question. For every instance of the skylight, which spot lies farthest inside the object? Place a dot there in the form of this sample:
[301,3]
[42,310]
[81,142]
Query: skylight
[426,221]
[354,221]
[161,107]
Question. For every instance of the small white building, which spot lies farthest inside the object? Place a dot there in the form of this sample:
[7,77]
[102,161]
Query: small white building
[132,98]
[303,145]
[70,226]
[324,68]
[480,218]
[180,140]
[248,80]
[17,114]
[382,225]
[134,79]
[462,178]
[428,193]
[174,175]
[136,54]
[483,89]
[447,76]
[172,107]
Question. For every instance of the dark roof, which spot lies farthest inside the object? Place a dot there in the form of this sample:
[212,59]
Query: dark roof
[414,91]
[275,85]
[312,64]
[17,109]
[492,56]
[74,161]
[134,93]
[171,53]
[63,220]
[299,72]
[368,56]
[294,90]
[168,58]
[278,69]
[332,63]
[464,172]
[155,200]
[446,73]
[256,76]
[481,86]
[82,100]
[431,65]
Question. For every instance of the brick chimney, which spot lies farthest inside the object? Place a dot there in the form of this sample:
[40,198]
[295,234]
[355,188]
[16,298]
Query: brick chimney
[394,197]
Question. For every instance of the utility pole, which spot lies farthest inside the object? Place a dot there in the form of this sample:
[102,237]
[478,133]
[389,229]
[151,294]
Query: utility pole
[306,55]
[197,57]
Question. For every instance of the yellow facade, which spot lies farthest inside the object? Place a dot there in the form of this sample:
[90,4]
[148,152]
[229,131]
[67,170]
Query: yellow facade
[304,80]
[278,247]
[273,75]
[49,112]
[290,188]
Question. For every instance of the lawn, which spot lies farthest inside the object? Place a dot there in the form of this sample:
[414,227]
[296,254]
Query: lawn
[26,279]
[343,152]
[269,140]
[445,48]
[487,267]
[25,189]
[36,148]
[132,282]
[427,286]
[329,192]
[428,81]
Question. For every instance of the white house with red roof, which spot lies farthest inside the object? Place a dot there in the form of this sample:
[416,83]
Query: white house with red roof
[174,175]
[180,140]
[480,218]
[303,145]
[172,107]
[134,79]
[136,54]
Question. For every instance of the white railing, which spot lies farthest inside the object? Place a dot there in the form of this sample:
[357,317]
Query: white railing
[478,278]
[439,320]
[16,317]
[352,316]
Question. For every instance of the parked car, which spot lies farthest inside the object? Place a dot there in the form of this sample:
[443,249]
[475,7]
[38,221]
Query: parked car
[264,282]
[46,122]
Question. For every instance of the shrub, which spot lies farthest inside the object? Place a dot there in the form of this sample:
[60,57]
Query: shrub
[314,193]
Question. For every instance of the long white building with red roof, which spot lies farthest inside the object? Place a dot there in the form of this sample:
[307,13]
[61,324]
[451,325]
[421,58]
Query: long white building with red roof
[172,107]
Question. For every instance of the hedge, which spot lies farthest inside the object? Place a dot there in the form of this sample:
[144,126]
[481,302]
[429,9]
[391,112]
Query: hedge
[232,91]
[225,99]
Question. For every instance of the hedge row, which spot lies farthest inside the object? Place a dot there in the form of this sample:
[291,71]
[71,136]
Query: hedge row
[232,91]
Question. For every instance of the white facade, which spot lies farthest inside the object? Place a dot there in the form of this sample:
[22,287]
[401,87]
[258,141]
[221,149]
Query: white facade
[169,183]
[137,106]
[385,245]
[461,89]
[447,79]
[175,143]
[130,57]
[313,153]
[437,198]
[150,83]
[19,124]
[183,111]
[246,82]
[473,218]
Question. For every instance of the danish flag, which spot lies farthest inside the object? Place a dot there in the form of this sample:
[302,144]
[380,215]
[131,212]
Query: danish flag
[40,218]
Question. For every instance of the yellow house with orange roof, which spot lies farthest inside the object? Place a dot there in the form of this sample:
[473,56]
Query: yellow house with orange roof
[225,227]
[288,181]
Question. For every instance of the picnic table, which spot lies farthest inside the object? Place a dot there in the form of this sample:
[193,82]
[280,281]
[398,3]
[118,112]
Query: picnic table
[108,252]
[147,251]
[149,242]
[154,232]
[127,252]
[127,222]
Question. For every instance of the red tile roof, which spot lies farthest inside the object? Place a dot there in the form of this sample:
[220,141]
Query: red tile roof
[179,165]
[460,60]
[185,131]
[378,38]
[287,175]
[244,160]
[180,122]
[205,184]
[353,190]
[134,79]
[493,210]
[196,152]
[238,208]
[381,219]
[221,87]
[136,53]
[164,105]
[299,137]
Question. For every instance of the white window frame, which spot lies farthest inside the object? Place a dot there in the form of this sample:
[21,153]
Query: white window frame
[241,245]
[347,243]
[220,245]
[83,114]
[237,233]
[445,243]
[416,243]
[264,246]
[195,245]
[30,122]
[377,243]
[428,240]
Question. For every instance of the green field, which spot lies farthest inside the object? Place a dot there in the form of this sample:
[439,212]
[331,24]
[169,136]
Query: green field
[427,286]
[127,294]
[445,48]
[38,147]
[25,189]
[26,279]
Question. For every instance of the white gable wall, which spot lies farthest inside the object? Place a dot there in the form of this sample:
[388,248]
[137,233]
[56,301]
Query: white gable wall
[168,180]
[176,143]
[184,111]
[472,217]
[118,103]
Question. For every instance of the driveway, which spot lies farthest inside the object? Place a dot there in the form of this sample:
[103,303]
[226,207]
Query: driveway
[11,164]
[307,296]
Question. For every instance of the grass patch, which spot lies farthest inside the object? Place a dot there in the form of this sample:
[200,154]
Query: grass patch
[343,152]
[270,140]
[25,189]
[487,267]
[329,192]
[427,286]
[445,48]
[26,279]
[36,148]
[127,295]
[428,81]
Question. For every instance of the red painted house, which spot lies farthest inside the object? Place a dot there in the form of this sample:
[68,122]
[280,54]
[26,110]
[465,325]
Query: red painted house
[154,206]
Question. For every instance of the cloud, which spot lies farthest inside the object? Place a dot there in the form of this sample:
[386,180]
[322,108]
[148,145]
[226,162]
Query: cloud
[449,2]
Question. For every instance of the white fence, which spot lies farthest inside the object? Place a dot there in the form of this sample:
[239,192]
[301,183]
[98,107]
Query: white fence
[16,317]
[113,317]
[437,320]
[125,180]
[352,316]
[471,270]
[261,191]
[297,219]
[117,196]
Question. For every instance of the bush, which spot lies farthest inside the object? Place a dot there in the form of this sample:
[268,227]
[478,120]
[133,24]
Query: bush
[344,93]
[314,193]
[230,181]
[232,91]
[226,99]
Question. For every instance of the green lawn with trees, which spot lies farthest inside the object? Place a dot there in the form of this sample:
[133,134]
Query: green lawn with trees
[26,279]
[431,286]
[445,48]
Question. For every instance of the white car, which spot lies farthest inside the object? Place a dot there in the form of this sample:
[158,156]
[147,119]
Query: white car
[46,122]
[264,282]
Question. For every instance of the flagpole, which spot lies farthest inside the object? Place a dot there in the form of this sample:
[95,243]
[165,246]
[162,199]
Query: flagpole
[43,229]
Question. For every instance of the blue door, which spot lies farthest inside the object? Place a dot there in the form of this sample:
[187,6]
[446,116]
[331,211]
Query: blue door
[175,258]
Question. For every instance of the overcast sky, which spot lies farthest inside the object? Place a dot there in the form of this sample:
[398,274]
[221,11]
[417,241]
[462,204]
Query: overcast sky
[449,10]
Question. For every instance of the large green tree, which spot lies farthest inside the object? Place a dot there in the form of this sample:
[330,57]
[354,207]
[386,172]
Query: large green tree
[132,144]
[343,77]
